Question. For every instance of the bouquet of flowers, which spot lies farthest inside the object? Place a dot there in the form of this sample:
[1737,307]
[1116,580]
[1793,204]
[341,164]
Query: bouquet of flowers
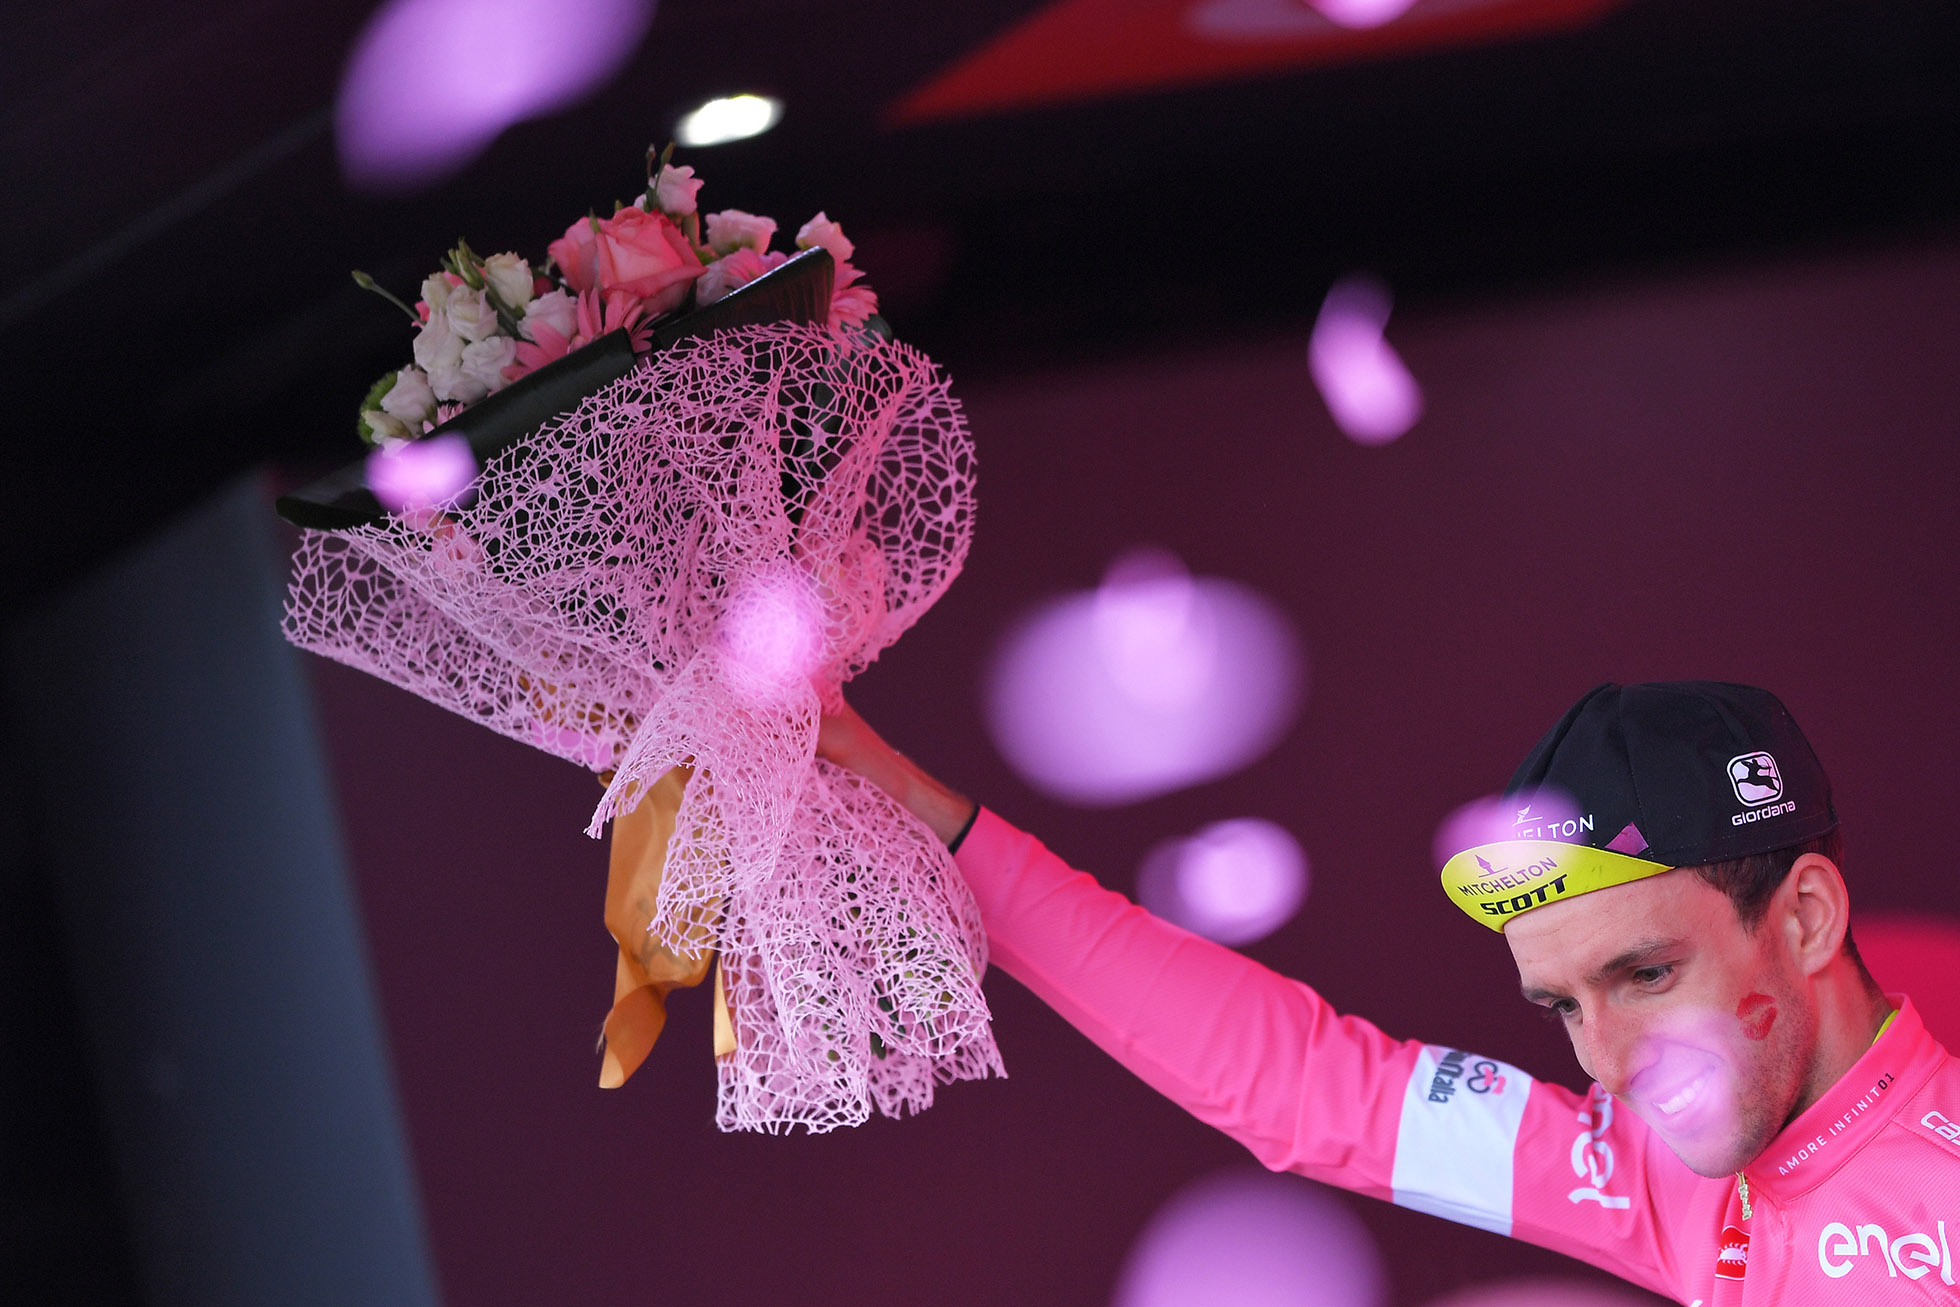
[671,561]
[485,323]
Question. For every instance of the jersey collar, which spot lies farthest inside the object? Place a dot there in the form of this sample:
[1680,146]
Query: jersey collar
[1811,1148]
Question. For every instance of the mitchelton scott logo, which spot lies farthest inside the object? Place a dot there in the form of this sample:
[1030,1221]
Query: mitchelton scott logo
[1755,778]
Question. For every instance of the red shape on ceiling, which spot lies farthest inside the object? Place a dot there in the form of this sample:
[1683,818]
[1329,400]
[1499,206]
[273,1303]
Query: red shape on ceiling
[1091,49]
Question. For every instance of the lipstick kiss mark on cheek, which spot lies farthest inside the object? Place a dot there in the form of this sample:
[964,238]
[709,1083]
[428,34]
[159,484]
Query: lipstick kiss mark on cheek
[1757,1013]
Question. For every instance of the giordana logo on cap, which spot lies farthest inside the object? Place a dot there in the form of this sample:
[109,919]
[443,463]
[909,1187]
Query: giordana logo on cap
[1755,778]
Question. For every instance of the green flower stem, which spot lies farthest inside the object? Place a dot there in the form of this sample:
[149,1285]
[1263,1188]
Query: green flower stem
[508,318]
[366,282]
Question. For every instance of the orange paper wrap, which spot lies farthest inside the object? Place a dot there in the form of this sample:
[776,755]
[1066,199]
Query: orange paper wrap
[648,970]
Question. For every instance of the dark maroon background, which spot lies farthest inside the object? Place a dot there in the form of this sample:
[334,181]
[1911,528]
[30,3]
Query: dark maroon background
[1746,474]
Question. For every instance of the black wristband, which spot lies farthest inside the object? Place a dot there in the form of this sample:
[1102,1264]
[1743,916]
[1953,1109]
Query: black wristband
[953,845]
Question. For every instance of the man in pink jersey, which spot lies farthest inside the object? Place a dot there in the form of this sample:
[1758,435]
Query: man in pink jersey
[1765,1125]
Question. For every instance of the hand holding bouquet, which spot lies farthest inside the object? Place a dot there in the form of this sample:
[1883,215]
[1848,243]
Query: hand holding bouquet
[666,576]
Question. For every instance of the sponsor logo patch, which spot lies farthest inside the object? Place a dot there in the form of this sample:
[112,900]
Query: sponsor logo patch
[1942,1125]
[1531,826]
[1592,1154]
[1733,1259]
[1485,1078]
[1442,1085]
[1844,1247]
[1755,779]
[1498,879]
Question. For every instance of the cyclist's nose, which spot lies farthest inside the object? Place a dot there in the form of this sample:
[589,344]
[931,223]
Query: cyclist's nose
[1609,1049]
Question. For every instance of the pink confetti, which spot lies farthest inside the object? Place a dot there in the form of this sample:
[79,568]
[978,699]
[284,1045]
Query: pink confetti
[1155,681]
[1367,389]
[1234,881]
[1248,1239]
[421,473]
[431,83]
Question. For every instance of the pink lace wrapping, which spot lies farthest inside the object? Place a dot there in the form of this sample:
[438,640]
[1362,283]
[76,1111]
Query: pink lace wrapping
[683,570]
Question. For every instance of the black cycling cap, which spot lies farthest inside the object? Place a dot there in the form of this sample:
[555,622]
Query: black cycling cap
[1683,772]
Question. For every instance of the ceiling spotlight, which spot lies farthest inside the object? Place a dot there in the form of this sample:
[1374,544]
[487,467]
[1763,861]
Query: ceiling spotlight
[1362,13]
[729,118]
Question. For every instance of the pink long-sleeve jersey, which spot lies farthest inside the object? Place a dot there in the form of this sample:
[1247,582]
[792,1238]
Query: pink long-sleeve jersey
[1858,1200]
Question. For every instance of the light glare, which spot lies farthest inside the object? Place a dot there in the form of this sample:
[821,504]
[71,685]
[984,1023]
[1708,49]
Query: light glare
[1295,20]
[773,630]
[431,83]
[419,474]
[1544,815]
[1155,681]
[1370,394]
[1249,1239]
[729,118]
[1234,881]
[1363,13]
[1157,639]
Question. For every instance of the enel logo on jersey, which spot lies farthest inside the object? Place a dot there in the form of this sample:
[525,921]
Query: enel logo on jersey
[1842,1249]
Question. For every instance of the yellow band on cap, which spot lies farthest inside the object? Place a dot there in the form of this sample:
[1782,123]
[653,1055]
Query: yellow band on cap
[1496,882]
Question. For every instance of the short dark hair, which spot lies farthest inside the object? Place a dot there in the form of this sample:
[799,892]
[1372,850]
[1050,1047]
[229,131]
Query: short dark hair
[1751,882]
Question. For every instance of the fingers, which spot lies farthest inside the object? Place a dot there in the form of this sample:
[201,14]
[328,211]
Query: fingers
[847,740]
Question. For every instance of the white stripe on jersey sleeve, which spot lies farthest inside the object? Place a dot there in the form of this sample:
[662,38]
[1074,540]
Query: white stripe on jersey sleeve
[1459,1130]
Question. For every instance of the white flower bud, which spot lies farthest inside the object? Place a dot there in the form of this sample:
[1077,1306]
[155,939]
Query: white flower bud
[510,277]
[437,346]
[453,384]
[439,351]
[485,360]
[384,429]
[470,314]
[410,398]
[435,293]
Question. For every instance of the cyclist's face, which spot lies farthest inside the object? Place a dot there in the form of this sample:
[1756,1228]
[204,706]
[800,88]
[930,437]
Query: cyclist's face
[1700,1026]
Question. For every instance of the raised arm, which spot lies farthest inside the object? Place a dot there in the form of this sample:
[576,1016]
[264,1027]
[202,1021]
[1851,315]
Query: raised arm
[1267,1060]
[1226,1038]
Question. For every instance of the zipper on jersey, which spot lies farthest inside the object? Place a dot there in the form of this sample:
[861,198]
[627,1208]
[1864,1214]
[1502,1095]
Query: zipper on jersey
[1742,1187]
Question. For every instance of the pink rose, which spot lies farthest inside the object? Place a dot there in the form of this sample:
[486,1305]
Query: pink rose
[734,271]
[731,229]
[820,230]
[645,255]
[674,191]
[577,255]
